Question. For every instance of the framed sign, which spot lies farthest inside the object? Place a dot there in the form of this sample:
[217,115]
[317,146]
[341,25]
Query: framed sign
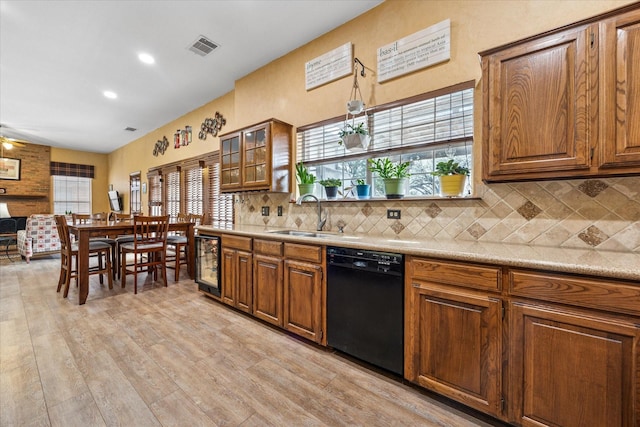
[328,67]
[9,168]
[419,50]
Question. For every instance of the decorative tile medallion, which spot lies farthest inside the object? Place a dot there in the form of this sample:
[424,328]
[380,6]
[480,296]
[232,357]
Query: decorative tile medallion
[367,210]
[397,227]
[593,236]
[529,210]
[433,210]
[593,187]
[476,230]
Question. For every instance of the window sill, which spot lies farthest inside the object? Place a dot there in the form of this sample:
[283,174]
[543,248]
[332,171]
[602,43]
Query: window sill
[384,199]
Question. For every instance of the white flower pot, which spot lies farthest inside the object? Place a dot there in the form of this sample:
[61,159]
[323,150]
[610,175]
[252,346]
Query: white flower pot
[356,141]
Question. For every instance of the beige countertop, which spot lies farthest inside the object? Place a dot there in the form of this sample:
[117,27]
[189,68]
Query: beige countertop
[620,265]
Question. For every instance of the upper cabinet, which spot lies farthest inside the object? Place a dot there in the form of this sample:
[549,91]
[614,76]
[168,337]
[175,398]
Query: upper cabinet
[256,158]
[565,103]
[620,88]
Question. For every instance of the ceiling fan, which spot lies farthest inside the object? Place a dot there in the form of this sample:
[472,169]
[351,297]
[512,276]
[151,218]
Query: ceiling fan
[9,143]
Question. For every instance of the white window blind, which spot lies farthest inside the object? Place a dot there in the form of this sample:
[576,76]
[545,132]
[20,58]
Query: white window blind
[173,194]
[72,193]
[194,191]
[221,205]
[155,195]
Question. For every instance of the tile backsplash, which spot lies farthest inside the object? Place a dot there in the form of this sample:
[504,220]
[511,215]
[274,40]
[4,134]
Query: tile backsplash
[601,213]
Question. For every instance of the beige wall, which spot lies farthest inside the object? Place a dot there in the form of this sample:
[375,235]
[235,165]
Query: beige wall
[100,184]
[277,90]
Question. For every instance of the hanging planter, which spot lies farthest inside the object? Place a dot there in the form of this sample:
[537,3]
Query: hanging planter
[354,137]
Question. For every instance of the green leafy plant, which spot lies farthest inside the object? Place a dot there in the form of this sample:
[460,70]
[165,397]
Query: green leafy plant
[387,169]
[330,182]
[450,167]
[303,175]
[361,182]
[350,129]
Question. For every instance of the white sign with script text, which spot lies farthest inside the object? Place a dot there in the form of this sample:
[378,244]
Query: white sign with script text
[328,67]
[419,50]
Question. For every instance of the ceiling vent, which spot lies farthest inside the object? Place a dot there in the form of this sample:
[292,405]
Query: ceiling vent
[130,129]
[203,46]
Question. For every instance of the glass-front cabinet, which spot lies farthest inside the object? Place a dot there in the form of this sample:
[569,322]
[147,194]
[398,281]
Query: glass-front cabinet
[257,158]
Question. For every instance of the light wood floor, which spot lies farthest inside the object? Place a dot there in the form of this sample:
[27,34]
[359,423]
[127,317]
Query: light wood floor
[173,357]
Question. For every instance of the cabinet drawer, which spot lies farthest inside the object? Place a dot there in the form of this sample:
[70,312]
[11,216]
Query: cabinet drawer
[303,252]
[237,242]
[457,274]
[267,247]
[592,293]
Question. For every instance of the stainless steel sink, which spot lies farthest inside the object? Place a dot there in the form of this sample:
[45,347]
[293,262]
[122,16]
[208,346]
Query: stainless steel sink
[301,233]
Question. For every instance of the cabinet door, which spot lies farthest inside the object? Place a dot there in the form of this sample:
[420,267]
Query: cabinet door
[453,344]
[256,160]
[230,158]
[229,272]
[537,107]
[267,289]
[244,282]
[620,93]
[568,369]
[303,299]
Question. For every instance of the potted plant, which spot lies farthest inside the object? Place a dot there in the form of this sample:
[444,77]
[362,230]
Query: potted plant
[354,136]
[331,186]
[363,190]
[306,180]
[452,177]
[394,176]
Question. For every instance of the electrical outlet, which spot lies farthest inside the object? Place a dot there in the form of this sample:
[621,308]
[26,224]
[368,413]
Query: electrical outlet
[279,210]
[393,213]
[265,211]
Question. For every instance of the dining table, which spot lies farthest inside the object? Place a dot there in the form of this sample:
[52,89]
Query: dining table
[84,232]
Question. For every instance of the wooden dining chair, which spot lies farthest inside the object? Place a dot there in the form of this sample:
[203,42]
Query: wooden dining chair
[117,217]
[177,245]
[100,217]
[69,254]
[151,241]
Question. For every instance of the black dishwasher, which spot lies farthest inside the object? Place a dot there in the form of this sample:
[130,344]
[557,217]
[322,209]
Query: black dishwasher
[365,305]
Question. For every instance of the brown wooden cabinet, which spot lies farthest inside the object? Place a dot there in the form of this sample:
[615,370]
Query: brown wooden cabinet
[237,272]
[267,281]
[563,104]
[304,291]
[571,368]
[620,89]
[256,158]
[574,355]
[453,333]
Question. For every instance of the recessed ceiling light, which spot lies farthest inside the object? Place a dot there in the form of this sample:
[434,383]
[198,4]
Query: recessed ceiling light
[109,94]
[146,58]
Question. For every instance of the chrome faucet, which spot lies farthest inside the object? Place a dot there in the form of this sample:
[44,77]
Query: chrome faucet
[321,221]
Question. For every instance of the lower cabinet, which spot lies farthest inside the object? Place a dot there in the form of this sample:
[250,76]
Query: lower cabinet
[304,291]
[303,299]
[267,282]
[280,283]
[237,272]
[574,354]
[453,342]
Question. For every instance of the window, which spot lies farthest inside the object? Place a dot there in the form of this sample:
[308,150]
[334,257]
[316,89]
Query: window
[423,130]
[135,200]
[190,186]
[193,190]
[220,205]
[155,193]
[173,194]
[71,194]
